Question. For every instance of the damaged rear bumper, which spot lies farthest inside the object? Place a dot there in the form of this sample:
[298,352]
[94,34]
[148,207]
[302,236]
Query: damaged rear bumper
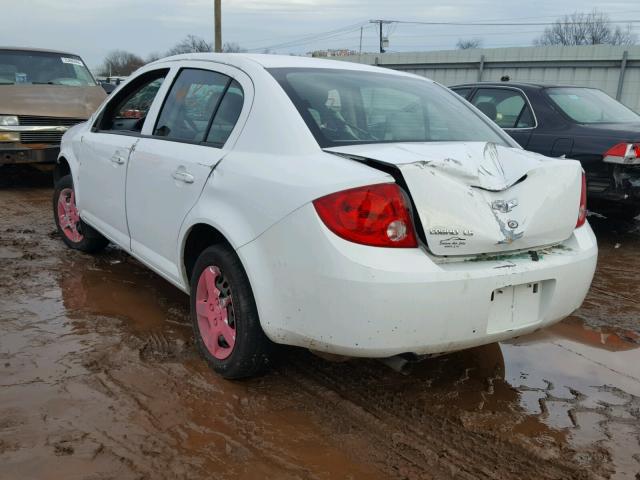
[318,291]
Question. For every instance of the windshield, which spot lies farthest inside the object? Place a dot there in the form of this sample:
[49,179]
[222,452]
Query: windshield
[43,68]
[589,105]
[346,107]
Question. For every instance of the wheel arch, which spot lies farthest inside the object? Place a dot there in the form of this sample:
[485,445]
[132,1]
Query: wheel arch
[198,237]
[61,168]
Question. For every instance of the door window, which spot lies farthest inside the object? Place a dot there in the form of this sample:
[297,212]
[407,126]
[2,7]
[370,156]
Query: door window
[190,104]
[463,92]
[127,111]
[227,115]
[506,107]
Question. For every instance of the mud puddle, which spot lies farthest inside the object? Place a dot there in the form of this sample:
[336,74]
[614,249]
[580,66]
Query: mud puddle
[99,379]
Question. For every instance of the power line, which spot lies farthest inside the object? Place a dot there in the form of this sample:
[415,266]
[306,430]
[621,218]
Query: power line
[314,37]
[557,16]
[332,34]
[501,24]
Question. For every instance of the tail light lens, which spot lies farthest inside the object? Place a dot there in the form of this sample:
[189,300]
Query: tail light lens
[582,212]
[624,153]
[375,215]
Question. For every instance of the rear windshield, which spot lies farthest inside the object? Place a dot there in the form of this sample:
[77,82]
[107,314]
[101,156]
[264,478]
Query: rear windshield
[589,105]
[43,68]
[346,107]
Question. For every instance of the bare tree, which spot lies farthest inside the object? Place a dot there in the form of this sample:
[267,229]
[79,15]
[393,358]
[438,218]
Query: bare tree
[153,56]
[233,47]
[586,29]
[465,44]
[120,63]
[191,44]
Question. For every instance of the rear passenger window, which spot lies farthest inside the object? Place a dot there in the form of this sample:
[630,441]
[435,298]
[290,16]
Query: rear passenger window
[506,107]
[190,104]
[227,115]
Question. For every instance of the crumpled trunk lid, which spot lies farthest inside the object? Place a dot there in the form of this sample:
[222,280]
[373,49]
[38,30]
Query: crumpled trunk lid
[476,197]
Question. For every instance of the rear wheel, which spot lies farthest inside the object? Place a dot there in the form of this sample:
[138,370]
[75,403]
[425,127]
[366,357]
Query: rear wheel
[74,232]
[627,213]
[224,316]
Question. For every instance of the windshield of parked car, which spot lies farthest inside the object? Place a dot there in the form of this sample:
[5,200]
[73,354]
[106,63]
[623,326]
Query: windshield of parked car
[589,105]
[346,107]
[43,68]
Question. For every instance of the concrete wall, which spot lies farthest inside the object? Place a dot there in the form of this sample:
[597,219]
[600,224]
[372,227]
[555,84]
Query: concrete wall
[597,66]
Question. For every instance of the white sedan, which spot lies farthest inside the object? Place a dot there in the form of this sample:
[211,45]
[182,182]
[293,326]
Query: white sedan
[343,208]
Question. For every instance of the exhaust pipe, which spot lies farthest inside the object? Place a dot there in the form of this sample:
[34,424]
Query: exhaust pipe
[398,363]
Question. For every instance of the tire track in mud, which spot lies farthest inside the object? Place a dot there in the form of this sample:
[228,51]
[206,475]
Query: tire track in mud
[145,406]
[418,445]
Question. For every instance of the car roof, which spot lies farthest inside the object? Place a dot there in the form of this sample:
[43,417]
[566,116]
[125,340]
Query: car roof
[532,85]
[268,61]
[29,49]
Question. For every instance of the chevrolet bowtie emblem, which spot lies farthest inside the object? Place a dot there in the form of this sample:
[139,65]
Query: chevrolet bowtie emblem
[504,206]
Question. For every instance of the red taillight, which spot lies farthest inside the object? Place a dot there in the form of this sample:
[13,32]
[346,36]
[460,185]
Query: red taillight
[628,153]
[582,212]
[375,215]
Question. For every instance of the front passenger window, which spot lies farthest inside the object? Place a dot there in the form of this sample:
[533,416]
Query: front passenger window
[128,110]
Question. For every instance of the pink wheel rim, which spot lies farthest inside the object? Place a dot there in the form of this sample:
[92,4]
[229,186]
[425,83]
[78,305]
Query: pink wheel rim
[212,310]
[68,217]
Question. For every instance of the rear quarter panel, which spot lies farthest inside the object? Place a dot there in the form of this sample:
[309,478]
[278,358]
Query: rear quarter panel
[249,192]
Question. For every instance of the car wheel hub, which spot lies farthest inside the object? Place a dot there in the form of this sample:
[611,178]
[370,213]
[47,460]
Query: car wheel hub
[214,311]
[68,216]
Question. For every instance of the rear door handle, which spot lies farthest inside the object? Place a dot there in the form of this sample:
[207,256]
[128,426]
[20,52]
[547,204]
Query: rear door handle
[183,176]
[117,159]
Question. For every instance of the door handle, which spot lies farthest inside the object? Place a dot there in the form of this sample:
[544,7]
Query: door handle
[183,176]
[117,159]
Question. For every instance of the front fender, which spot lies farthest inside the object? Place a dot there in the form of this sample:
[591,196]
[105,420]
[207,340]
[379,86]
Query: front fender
[69,152]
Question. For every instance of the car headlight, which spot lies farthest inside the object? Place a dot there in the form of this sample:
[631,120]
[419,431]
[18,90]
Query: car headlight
[8,121]
[9,137]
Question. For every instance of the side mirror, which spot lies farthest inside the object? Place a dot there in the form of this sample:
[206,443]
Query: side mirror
[107,87]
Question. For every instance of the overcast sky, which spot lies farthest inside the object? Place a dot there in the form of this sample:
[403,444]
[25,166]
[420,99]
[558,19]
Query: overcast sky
[91,28]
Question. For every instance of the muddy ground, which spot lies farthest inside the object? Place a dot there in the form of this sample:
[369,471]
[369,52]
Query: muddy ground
[99,379]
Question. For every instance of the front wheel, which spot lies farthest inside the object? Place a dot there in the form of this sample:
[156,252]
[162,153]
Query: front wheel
[74,232]
[224,316]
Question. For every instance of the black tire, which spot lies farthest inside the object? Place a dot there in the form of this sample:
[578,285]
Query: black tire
[252,351]
[91,241]
[626,213]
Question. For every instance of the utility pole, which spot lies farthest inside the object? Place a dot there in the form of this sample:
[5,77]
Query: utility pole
[382,39]
[360,51]
[218,25]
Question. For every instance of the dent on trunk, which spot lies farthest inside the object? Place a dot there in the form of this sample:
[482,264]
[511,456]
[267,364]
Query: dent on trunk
[477,197]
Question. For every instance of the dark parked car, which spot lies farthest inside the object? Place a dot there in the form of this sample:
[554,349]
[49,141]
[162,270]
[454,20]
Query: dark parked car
[581,123]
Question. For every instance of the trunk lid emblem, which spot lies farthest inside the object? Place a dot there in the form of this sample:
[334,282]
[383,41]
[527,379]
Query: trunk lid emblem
[505,206]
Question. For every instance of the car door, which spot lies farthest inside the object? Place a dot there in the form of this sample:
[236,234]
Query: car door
[105,154]
[509,108]
[172,162]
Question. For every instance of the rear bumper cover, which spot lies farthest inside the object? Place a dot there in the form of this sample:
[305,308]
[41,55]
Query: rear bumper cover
[21,153]
[318,291]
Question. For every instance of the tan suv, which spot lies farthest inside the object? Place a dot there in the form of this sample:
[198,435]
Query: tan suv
[42,94]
